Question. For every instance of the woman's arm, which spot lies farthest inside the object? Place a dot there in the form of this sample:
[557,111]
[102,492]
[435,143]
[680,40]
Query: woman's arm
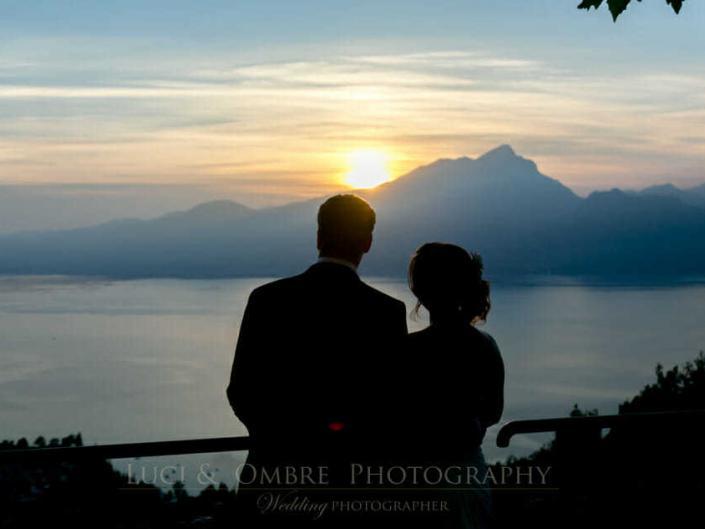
[493,401]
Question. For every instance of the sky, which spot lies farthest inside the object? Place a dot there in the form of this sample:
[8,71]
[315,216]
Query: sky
[264,101]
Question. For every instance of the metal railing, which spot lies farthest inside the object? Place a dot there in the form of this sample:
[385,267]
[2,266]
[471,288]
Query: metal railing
[129,450]
[561,426]
[596,423]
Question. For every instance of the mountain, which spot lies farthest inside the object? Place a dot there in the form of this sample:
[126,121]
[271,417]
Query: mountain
[616,233]
[695,196]
[68,206]
[499,204]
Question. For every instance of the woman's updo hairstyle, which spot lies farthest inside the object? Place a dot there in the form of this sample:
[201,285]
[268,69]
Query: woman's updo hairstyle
[447,280]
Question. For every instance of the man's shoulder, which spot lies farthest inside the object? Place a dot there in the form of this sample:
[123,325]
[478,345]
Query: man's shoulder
[381,299]
[277,287]
[419,336]
[298,284]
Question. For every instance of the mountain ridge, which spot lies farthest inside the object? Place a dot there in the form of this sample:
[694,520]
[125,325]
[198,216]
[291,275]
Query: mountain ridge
[499,204]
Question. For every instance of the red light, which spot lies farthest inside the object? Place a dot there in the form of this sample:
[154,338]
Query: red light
[336,426]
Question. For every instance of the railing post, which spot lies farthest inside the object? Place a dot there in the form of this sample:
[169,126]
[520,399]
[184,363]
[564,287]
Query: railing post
[577,469]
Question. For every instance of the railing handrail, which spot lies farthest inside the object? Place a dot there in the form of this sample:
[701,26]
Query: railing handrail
[235,444]
[128,450]
[594,421]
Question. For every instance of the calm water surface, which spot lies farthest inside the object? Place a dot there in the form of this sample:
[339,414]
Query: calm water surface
[149,360]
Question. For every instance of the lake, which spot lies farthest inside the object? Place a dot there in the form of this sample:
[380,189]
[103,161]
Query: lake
[149,360]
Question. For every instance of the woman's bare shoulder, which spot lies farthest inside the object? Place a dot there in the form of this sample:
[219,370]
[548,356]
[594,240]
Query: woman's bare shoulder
[488,342]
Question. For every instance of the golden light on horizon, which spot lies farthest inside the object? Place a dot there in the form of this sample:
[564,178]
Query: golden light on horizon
[368,168]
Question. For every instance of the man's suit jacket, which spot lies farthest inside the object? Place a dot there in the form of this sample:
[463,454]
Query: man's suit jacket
[314,364]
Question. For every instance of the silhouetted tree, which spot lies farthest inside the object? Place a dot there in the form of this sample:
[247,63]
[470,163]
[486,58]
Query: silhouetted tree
[577,412]
[651,476]
[91,493]
[680,388]
[617,7]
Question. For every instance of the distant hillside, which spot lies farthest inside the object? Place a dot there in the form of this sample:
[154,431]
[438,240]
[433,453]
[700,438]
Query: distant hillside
[695,196]
[69,206]
[498,204]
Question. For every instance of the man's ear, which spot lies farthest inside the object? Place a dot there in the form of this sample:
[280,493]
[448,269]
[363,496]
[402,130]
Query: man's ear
[318,240]
[367,244]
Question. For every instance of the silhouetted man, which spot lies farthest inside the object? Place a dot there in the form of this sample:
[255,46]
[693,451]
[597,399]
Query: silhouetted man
[313,364]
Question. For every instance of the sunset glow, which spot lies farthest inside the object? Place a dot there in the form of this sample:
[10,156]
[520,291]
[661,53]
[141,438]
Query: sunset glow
[241,103]
[368,168]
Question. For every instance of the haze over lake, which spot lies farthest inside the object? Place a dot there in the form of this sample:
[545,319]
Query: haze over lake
[149,360]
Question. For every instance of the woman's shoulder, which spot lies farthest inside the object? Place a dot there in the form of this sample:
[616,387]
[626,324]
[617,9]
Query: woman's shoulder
[487,341]
[489,350]
[472,334]
[485,337]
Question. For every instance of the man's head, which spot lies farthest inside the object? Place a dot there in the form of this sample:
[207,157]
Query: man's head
[345,224]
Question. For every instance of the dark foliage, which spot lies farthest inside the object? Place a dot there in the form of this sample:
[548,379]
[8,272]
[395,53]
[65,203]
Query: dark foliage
[680,388]
[617,7]
[93,494]
[649,477]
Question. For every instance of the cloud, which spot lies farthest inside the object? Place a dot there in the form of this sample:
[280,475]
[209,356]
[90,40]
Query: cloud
[452,60]
[201,120]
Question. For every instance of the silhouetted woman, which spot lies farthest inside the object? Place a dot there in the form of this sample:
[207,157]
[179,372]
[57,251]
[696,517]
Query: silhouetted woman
[456,377]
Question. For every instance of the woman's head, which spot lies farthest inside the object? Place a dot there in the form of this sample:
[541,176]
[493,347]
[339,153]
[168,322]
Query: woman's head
[448,282]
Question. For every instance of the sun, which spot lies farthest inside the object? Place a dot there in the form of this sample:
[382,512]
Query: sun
[367,169]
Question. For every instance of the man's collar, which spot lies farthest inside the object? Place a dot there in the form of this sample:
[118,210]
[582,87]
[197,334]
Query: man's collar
[342,262]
